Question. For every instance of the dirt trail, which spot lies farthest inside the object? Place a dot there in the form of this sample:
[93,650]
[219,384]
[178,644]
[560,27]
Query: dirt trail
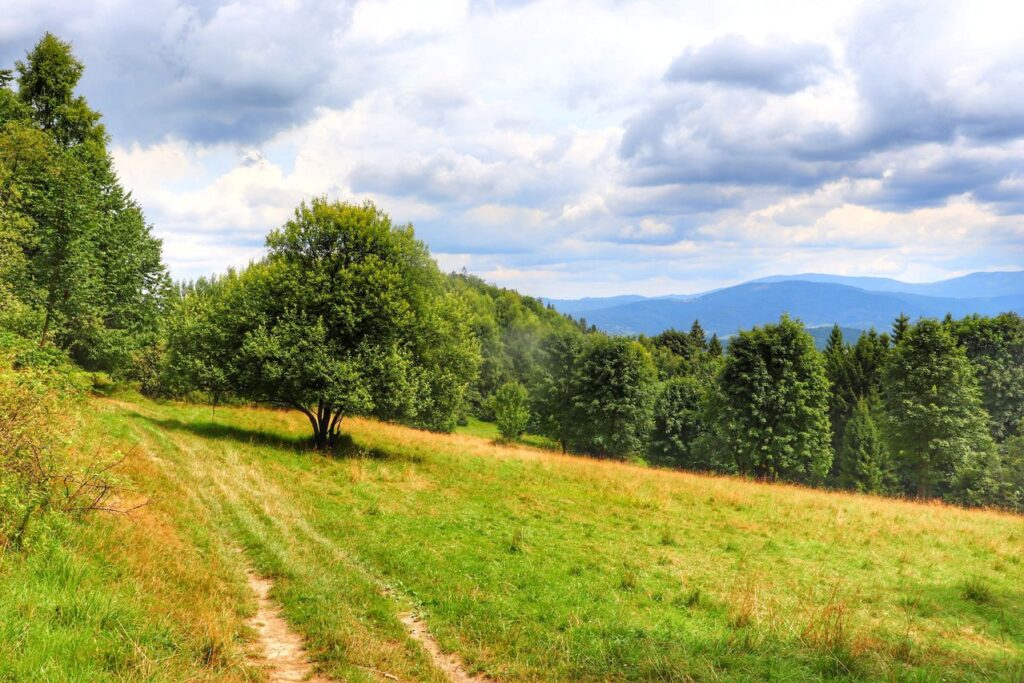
[450,664]
[283,654]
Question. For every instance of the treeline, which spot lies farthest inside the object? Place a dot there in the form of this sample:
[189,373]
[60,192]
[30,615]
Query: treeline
[348,314]
[929,409]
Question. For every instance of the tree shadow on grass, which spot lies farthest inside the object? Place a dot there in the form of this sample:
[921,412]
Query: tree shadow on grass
[347,448]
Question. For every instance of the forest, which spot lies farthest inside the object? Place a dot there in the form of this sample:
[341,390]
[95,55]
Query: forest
[348,315]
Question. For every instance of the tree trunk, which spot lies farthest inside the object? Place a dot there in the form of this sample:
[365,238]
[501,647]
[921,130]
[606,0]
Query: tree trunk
[923,488]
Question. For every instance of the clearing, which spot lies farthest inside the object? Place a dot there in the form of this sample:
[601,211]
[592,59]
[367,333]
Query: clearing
[506,563]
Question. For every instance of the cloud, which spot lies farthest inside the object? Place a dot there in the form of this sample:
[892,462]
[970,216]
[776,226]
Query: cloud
[666,148]
[781,67]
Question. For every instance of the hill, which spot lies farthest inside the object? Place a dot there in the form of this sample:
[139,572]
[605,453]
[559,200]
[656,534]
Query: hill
[973,285]
[526,564]
[817,303]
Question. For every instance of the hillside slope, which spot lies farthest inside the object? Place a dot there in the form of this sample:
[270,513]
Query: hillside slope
[535,566]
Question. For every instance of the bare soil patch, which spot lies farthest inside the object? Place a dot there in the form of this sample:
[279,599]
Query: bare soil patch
[282,652]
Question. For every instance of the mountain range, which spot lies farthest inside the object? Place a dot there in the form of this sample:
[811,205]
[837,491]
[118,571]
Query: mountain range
[819,300]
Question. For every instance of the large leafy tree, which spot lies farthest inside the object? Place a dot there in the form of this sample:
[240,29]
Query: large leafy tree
[89,276]
[995,347]
[553,395]
[936,425]
[771,408]
[613,393]
[347,315]
[679,423]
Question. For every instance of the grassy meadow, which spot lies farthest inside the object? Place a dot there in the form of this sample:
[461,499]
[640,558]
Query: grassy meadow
[531,565]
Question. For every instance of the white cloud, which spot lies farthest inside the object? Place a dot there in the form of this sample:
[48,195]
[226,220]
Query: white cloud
[540,144]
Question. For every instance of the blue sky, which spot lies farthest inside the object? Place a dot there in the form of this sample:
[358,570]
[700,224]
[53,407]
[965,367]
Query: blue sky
[571,148]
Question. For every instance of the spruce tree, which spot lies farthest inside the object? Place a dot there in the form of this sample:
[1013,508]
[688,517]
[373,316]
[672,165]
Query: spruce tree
[900,327]
[861,461]
[698,339]
[715,346]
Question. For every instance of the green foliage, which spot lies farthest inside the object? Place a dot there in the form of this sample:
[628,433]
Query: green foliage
[715,347]
[771,409]
[613,393]
[347,315]
[512,410]
[78,265]
[862,462]
[936,425]
[553,395]
[995,347]
[679,422]
[511,329]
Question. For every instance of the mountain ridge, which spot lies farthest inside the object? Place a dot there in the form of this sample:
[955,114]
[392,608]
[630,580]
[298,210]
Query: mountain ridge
[821,301]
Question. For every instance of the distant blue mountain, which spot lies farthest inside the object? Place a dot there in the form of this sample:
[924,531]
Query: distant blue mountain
[818,302]
[975,285]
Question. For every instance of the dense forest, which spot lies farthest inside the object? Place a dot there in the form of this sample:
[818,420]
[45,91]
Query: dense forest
[348,315]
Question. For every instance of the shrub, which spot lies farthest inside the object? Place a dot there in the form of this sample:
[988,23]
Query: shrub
[512,410]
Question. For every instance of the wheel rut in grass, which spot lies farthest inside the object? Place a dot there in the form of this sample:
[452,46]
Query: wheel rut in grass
[282,652]
[450,663]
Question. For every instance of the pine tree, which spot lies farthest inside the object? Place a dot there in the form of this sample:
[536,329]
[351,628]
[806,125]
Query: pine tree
[698,339]
[900,327]
[861,461]
[837,367]
[715,346]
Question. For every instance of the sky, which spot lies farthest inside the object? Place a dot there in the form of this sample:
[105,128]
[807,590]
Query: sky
[567,148]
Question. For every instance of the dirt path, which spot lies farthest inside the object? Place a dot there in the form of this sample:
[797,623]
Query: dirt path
[450,664]
[282,652]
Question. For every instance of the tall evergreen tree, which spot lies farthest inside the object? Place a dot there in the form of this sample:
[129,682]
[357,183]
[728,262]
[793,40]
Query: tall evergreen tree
[936,424]
[837,368]
[900,327]
[862,462]
[698,338]
[715,346]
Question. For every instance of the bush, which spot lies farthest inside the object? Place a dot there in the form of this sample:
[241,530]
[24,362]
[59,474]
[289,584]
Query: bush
[512,410]
[26,455]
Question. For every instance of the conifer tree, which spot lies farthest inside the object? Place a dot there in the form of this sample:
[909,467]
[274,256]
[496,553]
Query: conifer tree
[900,327]
[861,461]
[698,338]
[715,346]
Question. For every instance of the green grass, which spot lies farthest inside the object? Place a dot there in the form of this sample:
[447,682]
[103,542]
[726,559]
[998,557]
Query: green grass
[489,430]
[531,565]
